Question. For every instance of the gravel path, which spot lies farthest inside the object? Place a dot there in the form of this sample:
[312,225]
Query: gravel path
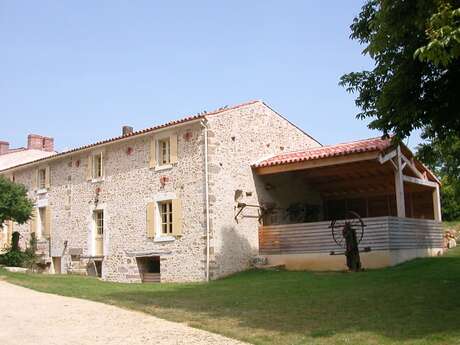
[35,318]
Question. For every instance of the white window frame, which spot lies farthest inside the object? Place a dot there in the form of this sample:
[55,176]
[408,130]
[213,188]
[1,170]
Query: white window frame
[159,235]
[97,157]
[41,184]
[40,222]
[92,230]
[163,137]
[166,217]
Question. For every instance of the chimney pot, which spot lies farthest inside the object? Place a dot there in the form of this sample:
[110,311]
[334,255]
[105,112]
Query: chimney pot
[4,147]
[127,130]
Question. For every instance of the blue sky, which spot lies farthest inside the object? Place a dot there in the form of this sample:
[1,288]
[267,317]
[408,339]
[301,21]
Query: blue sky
[79,70]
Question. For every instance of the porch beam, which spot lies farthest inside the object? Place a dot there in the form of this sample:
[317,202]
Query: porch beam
[437,204]
[389,156]
[317,163]
[419,181]
[412,167]
[399,186]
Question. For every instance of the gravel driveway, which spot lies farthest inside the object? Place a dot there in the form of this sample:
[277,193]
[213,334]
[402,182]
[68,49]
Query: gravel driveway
[30,317]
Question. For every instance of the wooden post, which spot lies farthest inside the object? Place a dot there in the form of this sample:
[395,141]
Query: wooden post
[399,186]
[437,204]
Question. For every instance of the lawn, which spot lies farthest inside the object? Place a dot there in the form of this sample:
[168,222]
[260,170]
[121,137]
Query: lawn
[414,303]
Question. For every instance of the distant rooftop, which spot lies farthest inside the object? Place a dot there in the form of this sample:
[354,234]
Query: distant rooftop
[38,147]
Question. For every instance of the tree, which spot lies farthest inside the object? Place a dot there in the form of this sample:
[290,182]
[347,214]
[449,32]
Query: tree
[403,93]
[443,158]
[14,203]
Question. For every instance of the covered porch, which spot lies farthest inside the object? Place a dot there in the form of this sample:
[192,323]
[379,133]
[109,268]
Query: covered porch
[302,192]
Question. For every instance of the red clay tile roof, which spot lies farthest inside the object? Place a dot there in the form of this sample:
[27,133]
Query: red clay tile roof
[366,145]
[142,131]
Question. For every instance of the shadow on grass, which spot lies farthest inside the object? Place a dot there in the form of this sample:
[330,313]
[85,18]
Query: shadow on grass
[412,301]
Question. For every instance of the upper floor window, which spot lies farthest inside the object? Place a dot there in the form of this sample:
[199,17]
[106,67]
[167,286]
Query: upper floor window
[164,151]
[97,165]
[41,178]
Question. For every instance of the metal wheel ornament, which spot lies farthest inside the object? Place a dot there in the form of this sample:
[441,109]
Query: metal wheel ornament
[354,220]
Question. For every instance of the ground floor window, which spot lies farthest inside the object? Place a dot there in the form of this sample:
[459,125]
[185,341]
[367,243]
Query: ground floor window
[166,216]
[99,222]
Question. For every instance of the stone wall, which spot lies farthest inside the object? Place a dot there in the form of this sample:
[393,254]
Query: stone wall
[236,140]
[237,137]
[128,185]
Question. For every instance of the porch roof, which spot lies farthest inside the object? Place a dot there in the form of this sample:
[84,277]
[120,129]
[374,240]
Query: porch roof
[360,146]
[376,151]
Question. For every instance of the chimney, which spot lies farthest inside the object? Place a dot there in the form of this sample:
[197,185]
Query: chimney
[39,142]
[48,144]
[127,130]
[34,142]
[4,147]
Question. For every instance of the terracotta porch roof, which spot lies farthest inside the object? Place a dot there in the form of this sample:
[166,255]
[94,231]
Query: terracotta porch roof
[360,146]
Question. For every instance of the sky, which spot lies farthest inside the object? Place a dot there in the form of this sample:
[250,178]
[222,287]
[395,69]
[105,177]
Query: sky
[80,70]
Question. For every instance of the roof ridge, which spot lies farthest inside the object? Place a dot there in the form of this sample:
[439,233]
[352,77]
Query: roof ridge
[142,131]
[327,146]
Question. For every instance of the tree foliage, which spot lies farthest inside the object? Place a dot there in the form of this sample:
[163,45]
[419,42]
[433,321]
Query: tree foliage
[443,33]
[443,158]
[403,93]
[14,203]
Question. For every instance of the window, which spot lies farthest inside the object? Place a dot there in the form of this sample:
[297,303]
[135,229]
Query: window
[41,178]
[164,151]
[166,217]
[99,222]
[97,165]
[42,223]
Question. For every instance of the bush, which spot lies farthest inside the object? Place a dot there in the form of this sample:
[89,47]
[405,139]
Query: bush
[16,258]
[13,258]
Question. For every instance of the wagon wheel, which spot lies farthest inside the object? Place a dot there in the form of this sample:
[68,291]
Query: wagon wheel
[352,218]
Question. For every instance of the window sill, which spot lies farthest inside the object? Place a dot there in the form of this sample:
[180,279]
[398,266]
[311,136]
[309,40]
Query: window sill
[164,239]
[42,191]
[97,180]
[163,167]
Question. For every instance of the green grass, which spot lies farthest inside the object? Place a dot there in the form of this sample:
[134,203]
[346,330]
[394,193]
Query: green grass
[414,303]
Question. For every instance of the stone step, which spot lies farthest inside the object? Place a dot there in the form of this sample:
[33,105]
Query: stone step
[151,278]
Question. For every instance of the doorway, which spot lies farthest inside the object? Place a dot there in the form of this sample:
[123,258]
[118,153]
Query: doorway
[57,264]
[98,216]
[150,269]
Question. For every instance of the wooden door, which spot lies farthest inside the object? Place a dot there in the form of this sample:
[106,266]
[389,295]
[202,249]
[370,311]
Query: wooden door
[99,232]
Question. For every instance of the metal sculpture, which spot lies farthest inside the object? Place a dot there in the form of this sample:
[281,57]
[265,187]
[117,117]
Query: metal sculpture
[347,234]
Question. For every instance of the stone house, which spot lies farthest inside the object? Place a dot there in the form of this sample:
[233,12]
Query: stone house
[157,204]
[38,146]
[198,198]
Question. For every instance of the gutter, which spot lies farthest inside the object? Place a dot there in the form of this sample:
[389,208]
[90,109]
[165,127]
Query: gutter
[206,174]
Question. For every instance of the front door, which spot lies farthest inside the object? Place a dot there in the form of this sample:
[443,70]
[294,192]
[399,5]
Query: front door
[99,232]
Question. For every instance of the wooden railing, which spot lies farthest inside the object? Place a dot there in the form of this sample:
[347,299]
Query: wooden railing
[381,233]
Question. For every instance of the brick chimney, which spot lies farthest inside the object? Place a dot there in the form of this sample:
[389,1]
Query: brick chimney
[4,147]
[39,142]
[127,130]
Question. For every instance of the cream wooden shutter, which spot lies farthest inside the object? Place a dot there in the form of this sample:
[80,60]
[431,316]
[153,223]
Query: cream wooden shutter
[102,165]
[47,177]
[173,148]
[35,179]
[9,232]
[89,168]
[177,217]
[151,220]
[47,230]
[33,221]
[152,153]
